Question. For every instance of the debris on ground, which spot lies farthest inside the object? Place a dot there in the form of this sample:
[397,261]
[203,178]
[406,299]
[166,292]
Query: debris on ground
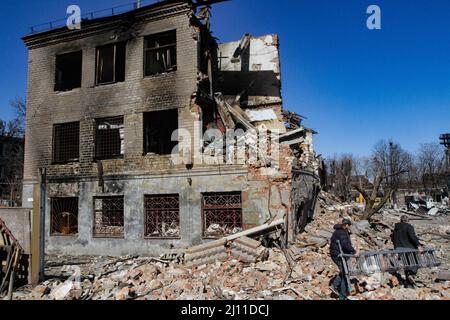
[240,268]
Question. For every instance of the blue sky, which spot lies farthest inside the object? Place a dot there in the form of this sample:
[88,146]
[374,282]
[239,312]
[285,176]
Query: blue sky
[355,85]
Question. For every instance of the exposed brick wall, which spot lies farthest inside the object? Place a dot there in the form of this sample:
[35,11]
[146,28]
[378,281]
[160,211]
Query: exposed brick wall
[131,98]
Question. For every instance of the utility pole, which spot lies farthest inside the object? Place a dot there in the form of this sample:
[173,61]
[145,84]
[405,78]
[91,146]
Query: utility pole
[445,141]
[38,229]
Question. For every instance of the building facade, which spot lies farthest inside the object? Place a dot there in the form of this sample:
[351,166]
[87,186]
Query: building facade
[103,108]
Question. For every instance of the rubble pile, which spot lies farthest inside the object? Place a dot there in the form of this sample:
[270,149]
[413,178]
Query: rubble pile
[302,272]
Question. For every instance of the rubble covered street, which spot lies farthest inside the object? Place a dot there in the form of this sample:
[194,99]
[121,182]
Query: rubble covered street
[302,272]
[154,158]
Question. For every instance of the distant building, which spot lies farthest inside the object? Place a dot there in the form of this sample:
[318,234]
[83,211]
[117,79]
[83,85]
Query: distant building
[11,171]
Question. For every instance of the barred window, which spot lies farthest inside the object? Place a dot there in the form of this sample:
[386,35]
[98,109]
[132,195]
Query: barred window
[64,216]
[109,138]
[161,53]
[66,142]
[222,214]
[162,216]
[108,217]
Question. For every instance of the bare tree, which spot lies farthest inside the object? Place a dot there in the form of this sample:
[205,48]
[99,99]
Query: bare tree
[391,161]
[16,127]
[340,174]
[431,162]
[389,165]
[14,131]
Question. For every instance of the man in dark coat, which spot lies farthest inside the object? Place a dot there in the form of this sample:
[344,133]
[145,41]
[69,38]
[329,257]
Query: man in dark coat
[404,238]
[341,236]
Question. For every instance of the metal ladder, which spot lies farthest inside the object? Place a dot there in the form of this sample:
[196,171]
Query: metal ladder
[369,263]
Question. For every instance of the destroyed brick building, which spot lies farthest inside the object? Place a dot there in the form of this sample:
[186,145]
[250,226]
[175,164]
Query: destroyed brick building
[105,104]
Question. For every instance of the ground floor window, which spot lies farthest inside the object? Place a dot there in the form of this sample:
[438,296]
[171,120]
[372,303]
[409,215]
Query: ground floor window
[64,216]
[108,217]
[162,216]
[222,214]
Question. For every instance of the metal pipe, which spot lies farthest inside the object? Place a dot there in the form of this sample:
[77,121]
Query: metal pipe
[42,226]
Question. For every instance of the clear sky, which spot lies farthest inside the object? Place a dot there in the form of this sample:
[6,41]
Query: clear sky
[355,85]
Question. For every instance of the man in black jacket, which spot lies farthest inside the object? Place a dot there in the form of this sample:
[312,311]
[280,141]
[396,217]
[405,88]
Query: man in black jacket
[341,236]
[404,238]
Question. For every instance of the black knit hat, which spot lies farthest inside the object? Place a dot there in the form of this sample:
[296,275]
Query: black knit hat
[347,222]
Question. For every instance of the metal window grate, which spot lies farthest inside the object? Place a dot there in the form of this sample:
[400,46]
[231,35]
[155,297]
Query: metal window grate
[222,214]
[162,216]
[108,217]
[64,216]
[66,142]
[109,138]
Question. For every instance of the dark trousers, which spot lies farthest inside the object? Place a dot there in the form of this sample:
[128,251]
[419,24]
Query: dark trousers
[340,282]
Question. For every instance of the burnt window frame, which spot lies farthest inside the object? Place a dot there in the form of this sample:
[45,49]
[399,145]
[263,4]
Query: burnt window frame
[75,205]
[58,87]
[146,215]
[115,71]
[205,208]
[147,125]
[111,156]
[96,235]
[174,45]
[60,159]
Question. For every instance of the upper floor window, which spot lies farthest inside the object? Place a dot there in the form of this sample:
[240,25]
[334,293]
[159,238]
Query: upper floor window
[66,142]
[1,149]
[111,63]
[109,138]
[68,71]
[161,53]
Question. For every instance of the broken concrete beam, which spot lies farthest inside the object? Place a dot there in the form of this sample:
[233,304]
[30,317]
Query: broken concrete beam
[206,246]
[324,234]
[246,233]
[362,225]
[248,242]
[243,248]
[247,249]
[444,276]
[191,262]
[257,230]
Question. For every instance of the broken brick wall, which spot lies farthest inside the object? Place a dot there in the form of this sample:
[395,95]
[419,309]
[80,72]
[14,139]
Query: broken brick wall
[137,94]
